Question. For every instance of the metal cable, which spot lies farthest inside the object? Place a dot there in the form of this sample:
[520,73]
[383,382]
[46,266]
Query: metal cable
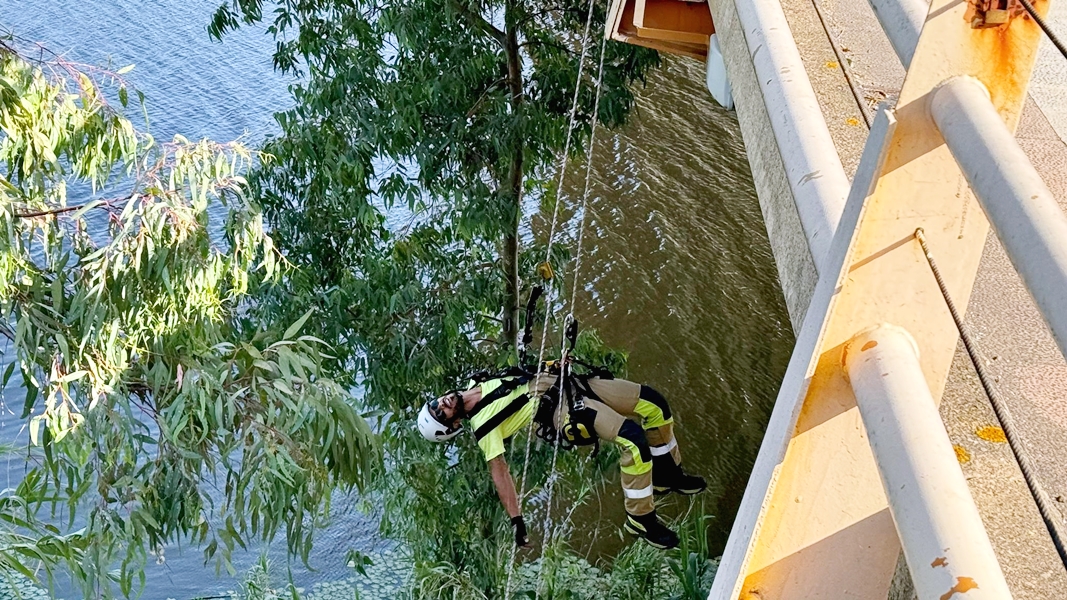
[1054,526]
[548,257]
[1044,27]
[846,70]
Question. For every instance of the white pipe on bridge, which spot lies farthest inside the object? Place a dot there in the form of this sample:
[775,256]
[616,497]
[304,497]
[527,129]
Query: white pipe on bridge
[902,21]
[1022,210]
[813,167]
[941,532]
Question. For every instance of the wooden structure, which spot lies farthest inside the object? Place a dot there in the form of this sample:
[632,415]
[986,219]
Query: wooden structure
[674,26]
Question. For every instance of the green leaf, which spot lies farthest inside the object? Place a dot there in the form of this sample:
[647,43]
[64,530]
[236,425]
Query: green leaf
[35,429]
[295,327]
[72,376]
[31,395]
[7,374]
[78,214]
[125,69]
[283,387]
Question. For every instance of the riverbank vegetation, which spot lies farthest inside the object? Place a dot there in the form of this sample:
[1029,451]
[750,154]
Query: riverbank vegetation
[421,130]
[157,409]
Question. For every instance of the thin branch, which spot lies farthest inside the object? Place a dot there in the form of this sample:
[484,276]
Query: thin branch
[477,104]
[548,44]
[479,22]
[558,8]
[56,211]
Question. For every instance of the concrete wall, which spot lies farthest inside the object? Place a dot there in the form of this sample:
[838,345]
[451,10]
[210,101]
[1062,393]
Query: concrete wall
[796,269]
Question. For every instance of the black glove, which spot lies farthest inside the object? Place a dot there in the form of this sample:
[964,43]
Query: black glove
[520,531]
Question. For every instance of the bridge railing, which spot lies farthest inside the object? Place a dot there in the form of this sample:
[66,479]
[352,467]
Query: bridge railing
[928,495]
[856,462]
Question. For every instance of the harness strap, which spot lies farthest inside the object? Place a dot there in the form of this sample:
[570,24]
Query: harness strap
[594,370]
[513,407]
[507,386]
[581,384]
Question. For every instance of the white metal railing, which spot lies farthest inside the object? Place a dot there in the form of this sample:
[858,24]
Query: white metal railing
[935,518]
[1019,205]
[941,532]
[816,178]
[902,21]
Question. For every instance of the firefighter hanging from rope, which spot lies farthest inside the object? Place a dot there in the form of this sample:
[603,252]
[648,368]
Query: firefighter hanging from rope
[571,409]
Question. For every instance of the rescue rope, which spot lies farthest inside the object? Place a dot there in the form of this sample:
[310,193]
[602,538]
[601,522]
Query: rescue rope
[588,172]
[548,258]
[1007,423]
[550,485]
[1044,27]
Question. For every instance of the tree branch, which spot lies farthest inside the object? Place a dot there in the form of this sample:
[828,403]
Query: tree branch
[489,88]
[58,211]
[548,44]
[479,22]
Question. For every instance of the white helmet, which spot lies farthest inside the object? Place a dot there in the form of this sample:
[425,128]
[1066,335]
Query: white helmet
[434,430]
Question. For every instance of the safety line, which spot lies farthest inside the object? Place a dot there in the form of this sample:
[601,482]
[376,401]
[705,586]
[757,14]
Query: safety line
[548,257]
[1054,526]
[1044,27]
[588,172]
[550,485]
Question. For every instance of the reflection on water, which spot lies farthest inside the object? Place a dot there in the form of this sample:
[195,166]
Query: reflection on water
[677,268]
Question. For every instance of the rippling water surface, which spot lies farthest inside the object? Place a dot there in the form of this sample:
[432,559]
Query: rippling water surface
[677,268]
[679,272]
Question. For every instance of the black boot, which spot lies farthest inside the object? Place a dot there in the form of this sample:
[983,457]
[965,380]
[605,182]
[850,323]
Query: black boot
[669,477]
[652,530]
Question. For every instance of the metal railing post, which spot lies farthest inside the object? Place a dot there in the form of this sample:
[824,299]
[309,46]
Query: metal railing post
[1019,205]
[940,530]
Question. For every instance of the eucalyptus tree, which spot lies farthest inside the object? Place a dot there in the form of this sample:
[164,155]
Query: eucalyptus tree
[157,410]
[452,109]
[420,130]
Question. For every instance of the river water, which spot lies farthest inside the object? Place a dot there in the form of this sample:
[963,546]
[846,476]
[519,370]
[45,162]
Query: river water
[677,268]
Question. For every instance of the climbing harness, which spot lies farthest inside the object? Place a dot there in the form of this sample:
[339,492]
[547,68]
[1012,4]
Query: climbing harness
[577,429]
[1049,515]
[570,387]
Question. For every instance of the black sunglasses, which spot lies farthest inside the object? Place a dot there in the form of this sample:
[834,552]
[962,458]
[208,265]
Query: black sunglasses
[435,406]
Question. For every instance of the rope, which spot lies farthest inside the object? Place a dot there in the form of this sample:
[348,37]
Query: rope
[588,173]
[548,257]
[574,286]
[1055,528]
[1044,27]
